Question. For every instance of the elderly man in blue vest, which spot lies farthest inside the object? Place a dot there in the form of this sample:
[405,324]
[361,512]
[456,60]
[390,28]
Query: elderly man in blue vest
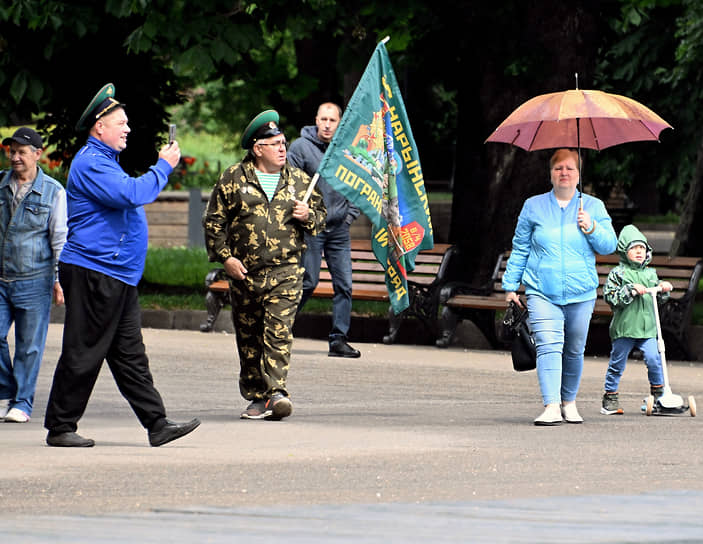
[32,234]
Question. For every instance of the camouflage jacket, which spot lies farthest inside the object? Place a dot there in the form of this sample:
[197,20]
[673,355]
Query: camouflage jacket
[241,222]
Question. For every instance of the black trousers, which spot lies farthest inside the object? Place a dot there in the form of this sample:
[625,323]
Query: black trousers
[103,322]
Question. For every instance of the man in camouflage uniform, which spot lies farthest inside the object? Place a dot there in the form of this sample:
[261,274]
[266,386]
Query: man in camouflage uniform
[254,225]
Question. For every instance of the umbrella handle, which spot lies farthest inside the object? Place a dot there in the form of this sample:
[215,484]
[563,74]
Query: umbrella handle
[593,221]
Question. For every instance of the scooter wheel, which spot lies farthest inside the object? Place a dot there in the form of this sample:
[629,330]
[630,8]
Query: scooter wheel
[692,405]
[649,408]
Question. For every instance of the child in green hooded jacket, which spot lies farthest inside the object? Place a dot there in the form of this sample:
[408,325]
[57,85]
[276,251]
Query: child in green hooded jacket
[633,325]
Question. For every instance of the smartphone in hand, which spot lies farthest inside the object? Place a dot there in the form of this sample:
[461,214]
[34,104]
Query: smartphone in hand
[171,133]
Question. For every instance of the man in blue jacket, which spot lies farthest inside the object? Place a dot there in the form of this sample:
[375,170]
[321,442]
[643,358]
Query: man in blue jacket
[306,153]
[32,233]
[99,269]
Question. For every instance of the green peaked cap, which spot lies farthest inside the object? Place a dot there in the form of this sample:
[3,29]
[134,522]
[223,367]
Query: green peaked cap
[263,125]
[101,104]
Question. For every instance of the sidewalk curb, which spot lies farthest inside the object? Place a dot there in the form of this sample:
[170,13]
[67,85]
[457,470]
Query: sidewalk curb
[365,329]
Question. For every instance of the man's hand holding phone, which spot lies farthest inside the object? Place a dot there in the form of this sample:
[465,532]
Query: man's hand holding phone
[171,152]
[171,133]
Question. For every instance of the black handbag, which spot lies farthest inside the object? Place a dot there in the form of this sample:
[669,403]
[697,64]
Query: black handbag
[523,349]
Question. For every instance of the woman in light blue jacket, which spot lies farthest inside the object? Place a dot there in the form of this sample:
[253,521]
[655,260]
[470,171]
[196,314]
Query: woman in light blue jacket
[557,236]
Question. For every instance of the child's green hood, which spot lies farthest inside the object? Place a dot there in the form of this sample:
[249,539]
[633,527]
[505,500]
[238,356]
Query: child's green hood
[629,234]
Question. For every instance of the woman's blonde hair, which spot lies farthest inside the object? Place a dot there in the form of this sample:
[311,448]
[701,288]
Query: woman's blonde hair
[562,154]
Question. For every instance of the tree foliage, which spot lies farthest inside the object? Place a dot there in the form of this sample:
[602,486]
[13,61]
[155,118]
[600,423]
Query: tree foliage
[655,56]
[57,55]
[462,67]
[233,59]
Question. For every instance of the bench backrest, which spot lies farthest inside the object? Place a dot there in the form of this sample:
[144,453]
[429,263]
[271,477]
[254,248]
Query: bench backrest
[368,277]
[682,272]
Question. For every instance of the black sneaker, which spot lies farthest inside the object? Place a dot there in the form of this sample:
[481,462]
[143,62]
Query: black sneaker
[256,410]
[340,348]
[611,405]
[278,406]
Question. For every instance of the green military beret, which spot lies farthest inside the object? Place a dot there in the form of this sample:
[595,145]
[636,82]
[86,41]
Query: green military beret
[101,104]
[262,126]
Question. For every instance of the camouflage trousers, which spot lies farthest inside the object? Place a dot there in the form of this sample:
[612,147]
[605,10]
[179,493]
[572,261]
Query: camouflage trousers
[264,305]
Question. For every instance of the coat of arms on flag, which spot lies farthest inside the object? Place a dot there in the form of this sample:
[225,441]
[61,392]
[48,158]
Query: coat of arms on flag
[373,161]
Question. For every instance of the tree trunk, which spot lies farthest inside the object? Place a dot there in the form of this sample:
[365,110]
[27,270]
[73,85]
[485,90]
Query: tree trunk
[688,241]
[493,180]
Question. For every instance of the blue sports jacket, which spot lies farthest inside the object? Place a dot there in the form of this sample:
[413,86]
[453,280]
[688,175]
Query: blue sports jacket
[107,227]
[551,256]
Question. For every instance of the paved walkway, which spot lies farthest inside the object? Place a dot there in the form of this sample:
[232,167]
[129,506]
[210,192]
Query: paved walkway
[406,444]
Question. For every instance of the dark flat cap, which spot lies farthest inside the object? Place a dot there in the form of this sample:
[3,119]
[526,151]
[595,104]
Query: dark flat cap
[25,136]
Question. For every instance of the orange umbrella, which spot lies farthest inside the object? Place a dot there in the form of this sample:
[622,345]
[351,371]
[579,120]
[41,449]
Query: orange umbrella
[578,118]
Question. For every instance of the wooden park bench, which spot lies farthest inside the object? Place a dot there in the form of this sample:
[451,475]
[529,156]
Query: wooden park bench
[480,303]
[368,283]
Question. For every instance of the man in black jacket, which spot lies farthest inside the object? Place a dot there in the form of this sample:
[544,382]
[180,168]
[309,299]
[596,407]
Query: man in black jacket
[306,153]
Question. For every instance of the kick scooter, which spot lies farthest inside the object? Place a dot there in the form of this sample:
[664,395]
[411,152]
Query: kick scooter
[668,403]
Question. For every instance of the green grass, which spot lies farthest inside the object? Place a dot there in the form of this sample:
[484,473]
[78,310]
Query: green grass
[365,308]
[439,196]
[157,301]
[670,218]
[177,266]
[204,157]
[211,151]
[174,279]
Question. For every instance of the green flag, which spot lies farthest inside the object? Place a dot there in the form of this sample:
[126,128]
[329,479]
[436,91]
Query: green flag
[373,161]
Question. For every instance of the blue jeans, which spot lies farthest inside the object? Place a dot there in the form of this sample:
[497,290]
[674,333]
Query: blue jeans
[28,304]
[560,334]
[618,359]
[336,246]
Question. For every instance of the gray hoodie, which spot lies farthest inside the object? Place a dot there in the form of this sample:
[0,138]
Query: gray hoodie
[306,153]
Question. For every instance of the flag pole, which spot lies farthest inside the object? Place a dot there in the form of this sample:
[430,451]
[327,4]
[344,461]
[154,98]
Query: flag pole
[313,182]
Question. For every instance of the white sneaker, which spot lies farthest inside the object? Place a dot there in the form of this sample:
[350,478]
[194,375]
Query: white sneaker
[15,415]
[550,416]
[4,408]
[571,414]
